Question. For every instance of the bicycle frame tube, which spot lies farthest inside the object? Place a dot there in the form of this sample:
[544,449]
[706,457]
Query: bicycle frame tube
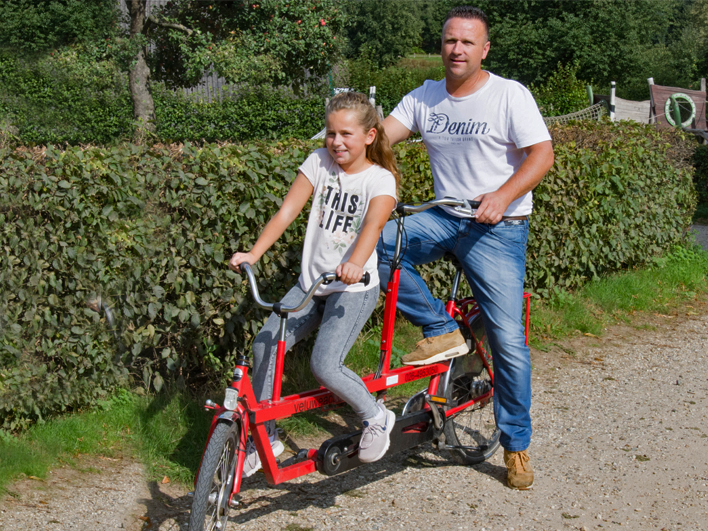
[388,324]
[280,358]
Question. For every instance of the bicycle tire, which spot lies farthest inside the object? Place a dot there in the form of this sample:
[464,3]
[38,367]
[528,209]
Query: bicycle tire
[210,508]
[473,431]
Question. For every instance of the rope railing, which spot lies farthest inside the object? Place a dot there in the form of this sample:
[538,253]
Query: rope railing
[594,112]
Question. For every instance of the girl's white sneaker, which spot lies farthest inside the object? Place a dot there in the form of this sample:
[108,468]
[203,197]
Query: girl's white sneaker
[376,436]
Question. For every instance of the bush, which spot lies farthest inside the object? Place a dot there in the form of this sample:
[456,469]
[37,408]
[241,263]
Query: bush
[255,114]
[617,197]
[75,97]
[391,83]
[64,97]
[150,231]
[562,93]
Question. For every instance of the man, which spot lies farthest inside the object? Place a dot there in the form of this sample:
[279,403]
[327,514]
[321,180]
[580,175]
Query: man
[486,141]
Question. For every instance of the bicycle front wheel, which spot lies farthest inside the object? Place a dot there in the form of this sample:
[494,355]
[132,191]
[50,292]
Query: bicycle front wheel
[210,508]
[472,435]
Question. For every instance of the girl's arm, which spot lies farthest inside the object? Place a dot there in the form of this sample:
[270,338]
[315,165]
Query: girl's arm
[300,191]
[380,208]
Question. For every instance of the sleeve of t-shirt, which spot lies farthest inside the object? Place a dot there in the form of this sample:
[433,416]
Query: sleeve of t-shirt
[314,166]
[526,125]
[405,110]
[384,183]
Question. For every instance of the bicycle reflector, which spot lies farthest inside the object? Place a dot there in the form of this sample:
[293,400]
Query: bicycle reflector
[231,398]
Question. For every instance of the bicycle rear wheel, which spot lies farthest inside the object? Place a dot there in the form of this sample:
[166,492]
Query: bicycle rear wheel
[472,435]
[210,508]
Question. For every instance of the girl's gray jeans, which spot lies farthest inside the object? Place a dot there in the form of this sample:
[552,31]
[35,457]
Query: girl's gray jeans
[341,317]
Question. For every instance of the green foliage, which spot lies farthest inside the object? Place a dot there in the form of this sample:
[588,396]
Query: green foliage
[262,113]
[677,278]
[66,96]
[255,42]
[612,40]
[562,93]
[149,231]
[392,83]
[75,96]
[617,197]
[39,25]
[382,32]
[700,177]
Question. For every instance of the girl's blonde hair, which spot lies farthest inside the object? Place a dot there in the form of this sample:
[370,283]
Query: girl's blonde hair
[379,151]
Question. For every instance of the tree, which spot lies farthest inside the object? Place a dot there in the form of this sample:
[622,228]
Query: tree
[610,40]
[40,25]
[382,32]
[138,71]
[269,41]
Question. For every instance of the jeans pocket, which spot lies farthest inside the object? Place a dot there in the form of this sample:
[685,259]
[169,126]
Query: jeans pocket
[512,231]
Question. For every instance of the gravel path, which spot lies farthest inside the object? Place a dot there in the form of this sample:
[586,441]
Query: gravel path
[620,442]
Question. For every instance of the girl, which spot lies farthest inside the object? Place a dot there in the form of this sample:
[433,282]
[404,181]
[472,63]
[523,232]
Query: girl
[352,182]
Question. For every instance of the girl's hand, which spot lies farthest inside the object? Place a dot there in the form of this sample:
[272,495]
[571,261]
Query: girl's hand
[239,258]
[349,273]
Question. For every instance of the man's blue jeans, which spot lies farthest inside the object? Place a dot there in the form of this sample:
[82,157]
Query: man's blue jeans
[494,260]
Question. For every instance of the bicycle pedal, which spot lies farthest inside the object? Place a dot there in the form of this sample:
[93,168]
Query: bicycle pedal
[438,399]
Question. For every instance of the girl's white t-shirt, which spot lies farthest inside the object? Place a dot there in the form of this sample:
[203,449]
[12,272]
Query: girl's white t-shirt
[340,202]
[475,143]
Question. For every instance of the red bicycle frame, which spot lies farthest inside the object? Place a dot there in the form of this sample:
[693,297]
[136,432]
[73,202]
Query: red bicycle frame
[252,415]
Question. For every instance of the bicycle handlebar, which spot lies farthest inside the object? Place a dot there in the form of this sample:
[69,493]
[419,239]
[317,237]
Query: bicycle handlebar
[324,278]
[464,206]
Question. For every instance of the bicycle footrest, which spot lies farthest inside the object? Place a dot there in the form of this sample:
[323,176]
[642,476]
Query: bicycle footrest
[341,453]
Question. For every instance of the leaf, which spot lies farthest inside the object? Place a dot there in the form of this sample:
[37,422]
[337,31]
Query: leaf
[157,382]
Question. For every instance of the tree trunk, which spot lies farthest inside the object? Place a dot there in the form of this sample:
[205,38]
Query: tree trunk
[139,74]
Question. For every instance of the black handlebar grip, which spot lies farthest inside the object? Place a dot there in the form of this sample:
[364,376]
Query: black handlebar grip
[365,279]
[474,204]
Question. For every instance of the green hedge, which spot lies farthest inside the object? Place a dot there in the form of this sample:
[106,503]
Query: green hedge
[256,114]
[69,97]
[150,231]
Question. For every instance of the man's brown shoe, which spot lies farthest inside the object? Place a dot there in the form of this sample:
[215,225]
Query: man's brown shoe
[519,474]
[437,348]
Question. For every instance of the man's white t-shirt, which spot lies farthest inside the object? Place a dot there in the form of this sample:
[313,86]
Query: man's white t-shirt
[475,142]
[340,202]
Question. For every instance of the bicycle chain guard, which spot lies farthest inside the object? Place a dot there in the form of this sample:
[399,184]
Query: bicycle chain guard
[341,453]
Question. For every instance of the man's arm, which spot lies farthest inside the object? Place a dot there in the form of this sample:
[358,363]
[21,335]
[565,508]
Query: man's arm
[539,159]
[395,130]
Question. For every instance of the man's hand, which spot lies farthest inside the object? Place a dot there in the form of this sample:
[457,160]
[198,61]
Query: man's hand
[493,206]
[349,273]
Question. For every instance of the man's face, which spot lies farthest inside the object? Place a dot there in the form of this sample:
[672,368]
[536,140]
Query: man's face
[464,46]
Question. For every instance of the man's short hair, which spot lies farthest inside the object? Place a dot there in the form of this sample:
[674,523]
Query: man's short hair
[469,12]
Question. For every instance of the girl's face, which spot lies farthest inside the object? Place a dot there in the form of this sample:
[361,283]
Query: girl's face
[346,141]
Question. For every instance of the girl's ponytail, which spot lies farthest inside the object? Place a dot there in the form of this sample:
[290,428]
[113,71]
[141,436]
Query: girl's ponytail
[379,151]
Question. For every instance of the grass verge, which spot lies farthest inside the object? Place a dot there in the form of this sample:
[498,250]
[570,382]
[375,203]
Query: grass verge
[675,280]
[167,432]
